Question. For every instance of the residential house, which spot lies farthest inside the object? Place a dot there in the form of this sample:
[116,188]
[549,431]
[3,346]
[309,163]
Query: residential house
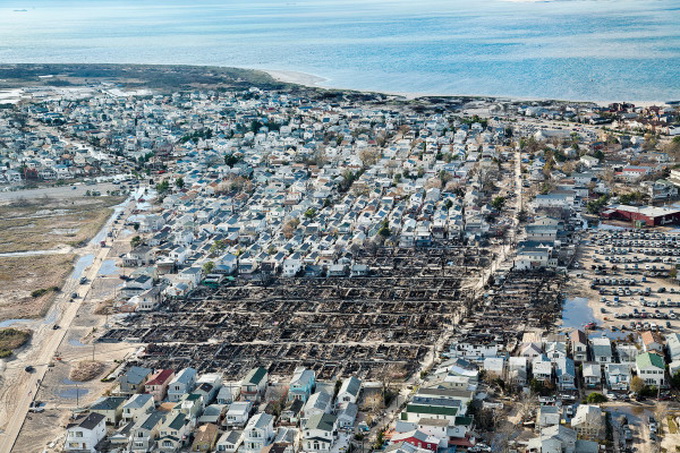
[517,370]
[579,345]
[650,367]
[320,433]
[652,341]
[548,416]
[602,350]
[617,376]
[349,391]
[85,432]
[258,433]
[588,422]
[238,413]
[254,384]
[318,403]
[111,407]
[184,382]
[541,368]
[418,439]
[565,373]
[347,416]
[291,414]
[145,432]
[137,407]
[173,433]
[229,442]
[302,384]
[673,345]
[592,375]
[205,438]
[157,385]
[132,381]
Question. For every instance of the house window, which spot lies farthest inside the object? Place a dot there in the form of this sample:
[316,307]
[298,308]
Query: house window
[167,443]
[78,434]
[316,445]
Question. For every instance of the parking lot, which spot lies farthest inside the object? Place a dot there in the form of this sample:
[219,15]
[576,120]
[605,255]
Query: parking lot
[628,277]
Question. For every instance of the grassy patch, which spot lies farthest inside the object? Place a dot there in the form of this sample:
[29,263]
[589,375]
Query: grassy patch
[11,339]
[21,276]
[46,223]
[672,426]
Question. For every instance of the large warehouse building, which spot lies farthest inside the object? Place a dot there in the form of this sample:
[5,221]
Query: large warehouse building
[649,215]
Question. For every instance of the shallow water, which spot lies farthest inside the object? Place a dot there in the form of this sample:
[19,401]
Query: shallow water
[568,49]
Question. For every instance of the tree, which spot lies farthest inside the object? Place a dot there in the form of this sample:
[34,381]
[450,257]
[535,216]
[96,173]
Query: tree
[163,187]
[637,384]
[289,228]
[369,157]
[596,398]
[135,242]
[310,213]
[208,267]
[498,202]
[179,183]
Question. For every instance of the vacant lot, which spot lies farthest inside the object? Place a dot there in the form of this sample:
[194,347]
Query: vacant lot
[20,276]
[28,282]
[48,223]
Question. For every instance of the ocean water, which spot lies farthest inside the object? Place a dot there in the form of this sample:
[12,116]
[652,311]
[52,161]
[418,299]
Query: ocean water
[569,49]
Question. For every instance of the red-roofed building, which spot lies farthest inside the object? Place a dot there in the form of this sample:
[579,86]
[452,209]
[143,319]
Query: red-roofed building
[418,439]
[157,385]
[649,215]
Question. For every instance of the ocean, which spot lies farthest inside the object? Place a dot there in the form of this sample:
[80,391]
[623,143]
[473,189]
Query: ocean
[600,50]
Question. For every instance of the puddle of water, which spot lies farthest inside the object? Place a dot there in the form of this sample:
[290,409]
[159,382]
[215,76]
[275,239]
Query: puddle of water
[73,393]
[82,264]
[11,322]
[576,313]
[101,235]
[76,342]
[619,335]
[108,267]
[604,226]
[32,253]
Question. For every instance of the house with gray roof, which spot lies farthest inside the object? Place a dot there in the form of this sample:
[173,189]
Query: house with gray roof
[85,432]
[258,433]
[110,407]
[173,432]
[137,407]
[254,384]
[132,381]
[319,433]
[349,391]
[183,382]
[145,432]
[318,403]
[302,384]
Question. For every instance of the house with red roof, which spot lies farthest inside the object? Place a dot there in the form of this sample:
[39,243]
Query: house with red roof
[157,385]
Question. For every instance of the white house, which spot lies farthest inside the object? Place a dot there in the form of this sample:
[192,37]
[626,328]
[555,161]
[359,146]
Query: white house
[84,433]
[349,391]
[137,407]
[258,433]
[319,433]
[650,367]
[238,413]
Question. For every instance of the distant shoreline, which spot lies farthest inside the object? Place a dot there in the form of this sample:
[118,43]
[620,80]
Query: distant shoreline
[316,81]
[17,75]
